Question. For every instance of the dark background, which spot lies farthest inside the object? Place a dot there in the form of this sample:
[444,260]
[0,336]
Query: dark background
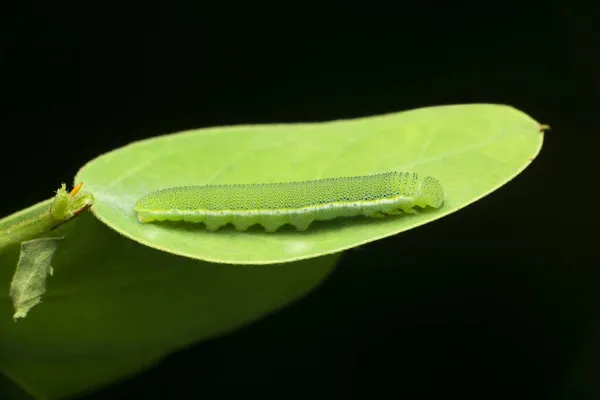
[500,300]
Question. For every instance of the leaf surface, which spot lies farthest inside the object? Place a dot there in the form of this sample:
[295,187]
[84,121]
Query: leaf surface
[472,149]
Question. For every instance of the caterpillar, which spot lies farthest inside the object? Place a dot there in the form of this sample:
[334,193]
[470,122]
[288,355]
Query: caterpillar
[296,203]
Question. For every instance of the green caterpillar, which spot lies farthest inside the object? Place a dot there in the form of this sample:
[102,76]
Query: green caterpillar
[297,203]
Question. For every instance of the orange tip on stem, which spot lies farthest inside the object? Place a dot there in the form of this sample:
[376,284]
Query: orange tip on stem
[75,189]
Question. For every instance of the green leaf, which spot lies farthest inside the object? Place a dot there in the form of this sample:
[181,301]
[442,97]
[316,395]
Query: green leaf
[29,281]
[114,307]
[471,149]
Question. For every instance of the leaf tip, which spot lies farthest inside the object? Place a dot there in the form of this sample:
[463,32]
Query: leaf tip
[543,128]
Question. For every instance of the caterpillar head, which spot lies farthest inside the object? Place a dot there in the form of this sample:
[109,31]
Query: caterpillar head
[431,192]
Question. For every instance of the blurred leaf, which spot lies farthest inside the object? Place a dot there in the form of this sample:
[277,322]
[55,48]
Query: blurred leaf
[115,307]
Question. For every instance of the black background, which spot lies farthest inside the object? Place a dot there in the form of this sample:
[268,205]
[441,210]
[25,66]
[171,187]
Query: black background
[500,300]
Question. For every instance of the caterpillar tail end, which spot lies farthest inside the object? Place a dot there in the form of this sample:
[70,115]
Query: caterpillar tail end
[144,218]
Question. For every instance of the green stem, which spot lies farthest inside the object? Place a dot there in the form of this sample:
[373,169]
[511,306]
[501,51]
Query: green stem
[64,208]
[27,229]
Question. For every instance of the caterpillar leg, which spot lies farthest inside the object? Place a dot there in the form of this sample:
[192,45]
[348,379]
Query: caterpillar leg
[271,227]
[301,225]
[395,212]
[213,225]
[242,227]
[242,223]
